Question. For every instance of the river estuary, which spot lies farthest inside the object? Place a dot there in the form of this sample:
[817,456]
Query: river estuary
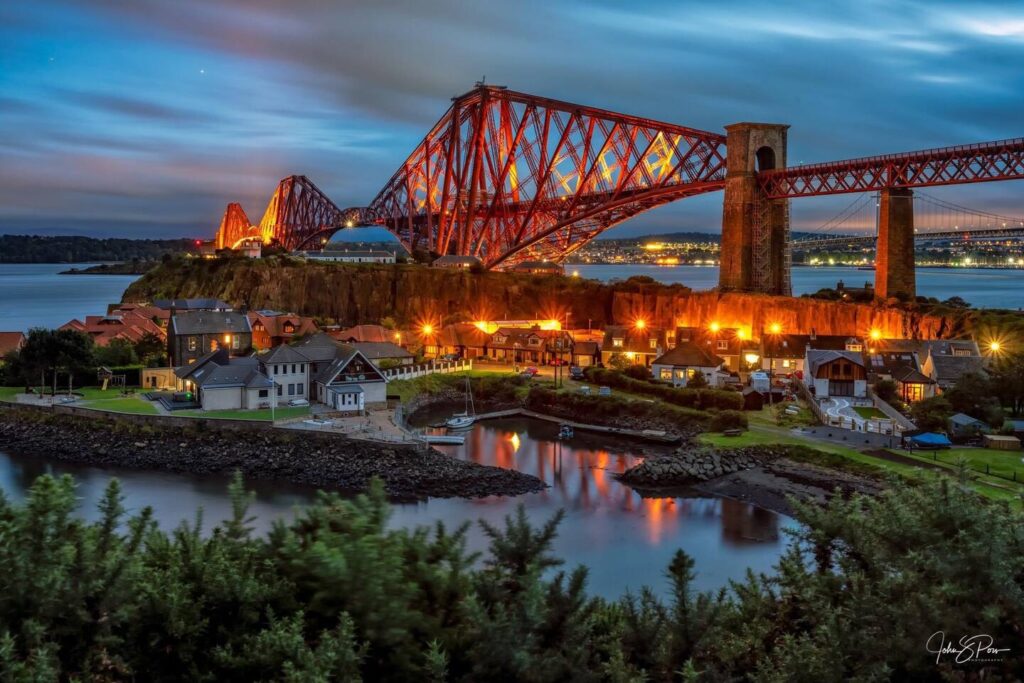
[625,540]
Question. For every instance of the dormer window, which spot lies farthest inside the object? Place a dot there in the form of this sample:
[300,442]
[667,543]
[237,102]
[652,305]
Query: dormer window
[723,344]
[617,342]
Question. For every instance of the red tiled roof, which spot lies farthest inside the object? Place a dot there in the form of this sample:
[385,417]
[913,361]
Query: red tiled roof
[365,333]
[103,328]
[10,341]
[275,324]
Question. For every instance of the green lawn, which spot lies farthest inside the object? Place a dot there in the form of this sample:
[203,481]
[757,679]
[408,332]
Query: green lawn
[869,412]
[279,413]
[128,404]
[1003,464]
[7,393]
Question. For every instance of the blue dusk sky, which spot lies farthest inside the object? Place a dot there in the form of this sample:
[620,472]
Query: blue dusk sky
[143,118]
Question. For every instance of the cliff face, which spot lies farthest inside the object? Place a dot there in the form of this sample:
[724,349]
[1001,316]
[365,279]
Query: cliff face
[351,294]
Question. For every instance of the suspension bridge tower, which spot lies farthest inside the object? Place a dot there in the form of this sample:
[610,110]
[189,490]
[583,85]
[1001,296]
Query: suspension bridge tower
[755,229]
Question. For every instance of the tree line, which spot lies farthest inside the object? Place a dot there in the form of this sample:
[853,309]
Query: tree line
[75,249]
[334,594]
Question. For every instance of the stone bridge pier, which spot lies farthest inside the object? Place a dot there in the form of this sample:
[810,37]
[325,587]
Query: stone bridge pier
[894,259]
[755,229]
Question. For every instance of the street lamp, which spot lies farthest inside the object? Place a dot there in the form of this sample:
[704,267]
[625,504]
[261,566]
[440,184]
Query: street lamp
[775,329]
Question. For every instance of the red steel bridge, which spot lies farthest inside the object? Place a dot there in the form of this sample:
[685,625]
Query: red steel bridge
[506,177]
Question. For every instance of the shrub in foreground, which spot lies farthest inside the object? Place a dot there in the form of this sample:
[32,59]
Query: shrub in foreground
[334,594]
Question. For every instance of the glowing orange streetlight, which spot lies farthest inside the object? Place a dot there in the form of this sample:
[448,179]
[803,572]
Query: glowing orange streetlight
[428,329]
[995,346]
[640,324]
[875,334]
[740,334]
[775,328]
[714,327]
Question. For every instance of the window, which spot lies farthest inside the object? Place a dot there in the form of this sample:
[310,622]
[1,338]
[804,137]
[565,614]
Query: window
[785,363]
[302,367]
[280,389]
[264,393]
[298,389]
[666,373]
[191,343]
[958,351]
[617,341]
[293,368]
[654,343]
[534,341]
[236,341]
[723,344]
[291,389]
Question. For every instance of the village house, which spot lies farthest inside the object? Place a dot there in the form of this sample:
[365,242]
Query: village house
[129,326]
[366,333]
[288,369]
[945,361]
[465,340]
[159,316]
[192,334]
[220,382]
[586,353]
[385,353]
[730,344]
[9,343]
[784,354]
[901,367]
[836,373]
[688,358]
[273,328]
[531,345]
[639,345]
[350,256]
[340,376]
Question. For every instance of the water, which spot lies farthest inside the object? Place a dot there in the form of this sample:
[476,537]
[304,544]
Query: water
[982,287]
[626,541]
[34,295]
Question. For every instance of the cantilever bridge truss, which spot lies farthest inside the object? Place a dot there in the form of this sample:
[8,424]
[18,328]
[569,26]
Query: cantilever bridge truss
[508,177]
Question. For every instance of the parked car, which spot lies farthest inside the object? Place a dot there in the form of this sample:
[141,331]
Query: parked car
[558,361]
[604,391]
[450,357]
[296,402]
[576,372]
[531,371]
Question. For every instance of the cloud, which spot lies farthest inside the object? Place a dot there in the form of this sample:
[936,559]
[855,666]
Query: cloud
[184,106]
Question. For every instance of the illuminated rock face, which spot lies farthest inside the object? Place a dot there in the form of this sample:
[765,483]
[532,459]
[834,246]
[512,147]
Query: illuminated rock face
[350,294]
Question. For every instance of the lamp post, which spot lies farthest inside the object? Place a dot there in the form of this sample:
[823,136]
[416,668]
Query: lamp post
[775,329]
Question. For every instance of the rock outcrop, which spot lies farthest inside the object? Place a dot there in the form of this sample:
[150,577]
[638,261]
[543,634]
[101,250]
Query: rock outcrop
[351,294]
[694,465]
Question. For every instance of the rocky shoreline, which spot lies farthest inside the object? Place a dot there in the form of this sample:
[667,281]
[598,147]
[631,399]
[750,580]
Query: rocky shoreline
[325,461]
[766,476]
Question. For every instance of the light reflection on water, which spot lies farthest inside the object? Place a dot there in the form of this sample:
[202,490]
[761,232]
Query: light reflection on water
[626,540]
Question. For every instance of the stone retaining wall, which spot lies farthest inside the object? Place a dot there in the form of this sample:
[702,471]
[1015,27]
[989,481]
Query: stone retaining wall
[690,466]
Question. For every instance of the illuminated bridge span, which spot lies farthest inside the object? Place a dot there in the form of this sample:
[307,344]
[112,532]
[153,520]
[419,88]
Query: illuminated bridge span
[507,177]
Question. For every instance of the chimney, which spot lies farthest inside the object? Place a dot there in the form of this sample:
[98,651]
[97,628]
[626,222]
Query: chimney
[814,334]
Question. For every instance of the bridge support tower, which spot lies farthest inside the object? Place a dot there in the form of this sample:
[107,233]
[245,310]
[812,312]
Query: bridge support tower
[894,258]
[755,253]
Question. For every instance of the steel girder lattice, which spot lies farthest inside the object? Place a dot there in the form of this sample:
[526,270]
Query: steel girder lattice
[986,161]
[298,216]
[508,177]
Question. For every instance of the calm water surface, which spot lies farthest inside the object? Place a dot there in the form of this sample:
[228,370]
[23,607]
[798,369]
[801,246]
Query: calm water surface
[626,541]
[982,287]
[34,295]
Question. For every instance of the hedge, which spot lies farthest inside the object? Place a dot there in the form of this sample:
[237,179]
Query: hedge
[701,399]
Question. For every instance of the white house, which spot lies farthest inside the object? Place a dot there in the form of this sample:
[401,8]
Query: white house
[288,368]
[836,373]
[686,360]
[223,383]
[350,382]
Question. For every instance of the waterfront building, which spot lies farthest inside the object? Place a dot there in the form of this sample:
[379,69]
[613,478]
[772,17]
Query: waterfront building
[530,345]
[350,382]
[220,382]
[192,334]
[288,369]
[688,358]
[129,326]
[539,268]
[465,340]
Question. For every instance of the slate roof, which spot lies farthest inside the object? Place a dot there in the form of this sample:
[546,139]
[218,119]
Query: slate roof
[343,354]
[198,304]
[816,358]
[689,355]
[282,353]
[796,345]
[952,368]
[215,370]
[364,333]
[318,348]
[637,341]
[378,350]
[585,348]
[463,334]
[964,420]
[210,322]
[909,375]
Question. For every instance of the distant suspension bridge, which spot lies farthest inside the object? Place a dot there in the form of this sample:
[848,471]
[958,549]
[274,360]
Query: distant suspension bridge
[934,220]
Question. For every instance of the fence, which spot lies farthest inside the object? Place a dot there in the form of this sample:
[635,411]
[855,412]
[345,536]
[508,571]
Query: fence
[430,368]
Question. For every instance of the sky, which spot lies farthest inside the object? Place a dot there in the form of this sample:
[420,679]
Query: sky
[143,118]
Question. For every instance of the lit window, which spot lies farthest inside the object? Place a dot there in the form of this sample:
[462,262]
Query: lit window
[666,373]
[617,341]
[236,342]
[191,343]
[785,363]
[723,343]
